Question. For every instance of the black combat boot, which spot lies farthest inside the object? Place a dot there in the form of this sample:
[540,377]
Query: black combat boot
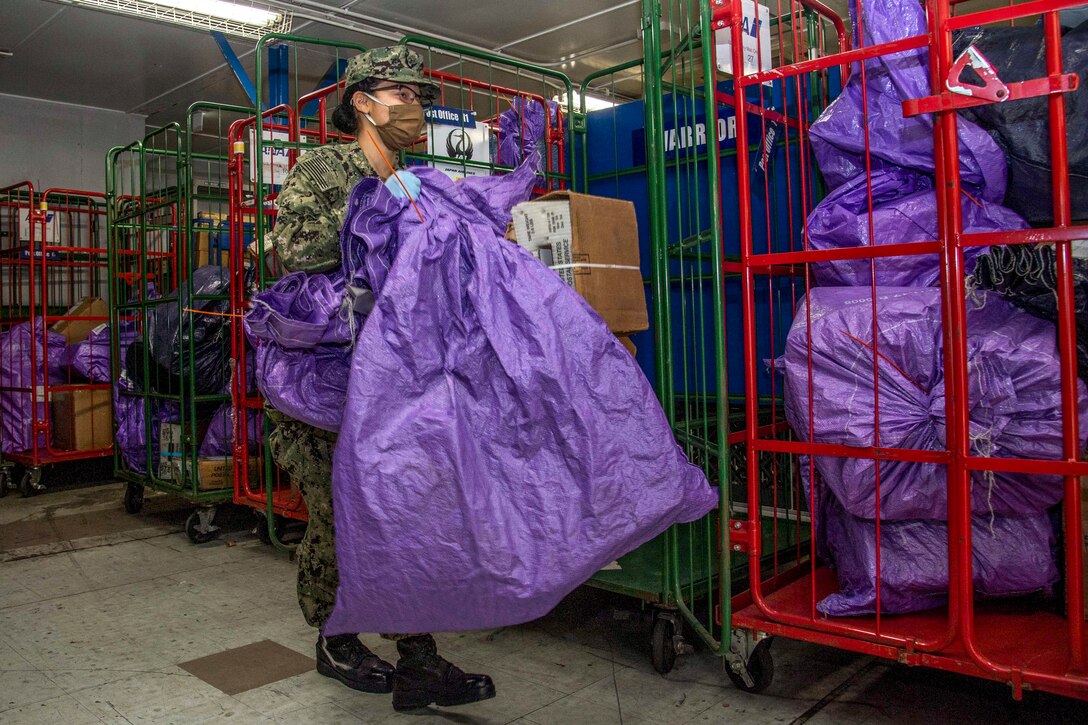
[423,678]
[345,658]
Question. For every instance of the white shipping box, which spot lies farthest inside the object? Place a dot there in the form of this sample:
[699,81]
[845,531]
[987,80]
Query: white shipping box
[544,229]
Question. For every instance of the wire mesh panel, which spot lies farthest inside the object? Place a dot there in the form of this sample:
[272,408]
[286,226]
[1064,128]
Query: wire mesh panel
[53,358]
[304,81]
[492,113]
[672,152]
[933,405]
[170,254]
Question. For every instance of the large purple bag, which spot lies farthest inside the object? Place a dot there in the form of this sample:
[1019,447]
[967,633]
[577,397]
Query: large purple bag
[90,358]
[300,311]
[301,329]
[838,136]
[307,385]
[18,409]
[1010,556]
[499,445]
[1014,398]
[301,326]
[129,414]
[904,211]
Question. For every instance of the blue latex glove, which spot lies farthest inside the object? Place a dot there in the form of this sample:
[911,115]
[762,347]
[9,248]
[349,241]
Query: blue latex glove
[409,179]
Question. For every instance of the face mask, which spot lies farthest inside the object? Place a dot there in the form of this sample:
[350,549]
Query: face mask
[406,123]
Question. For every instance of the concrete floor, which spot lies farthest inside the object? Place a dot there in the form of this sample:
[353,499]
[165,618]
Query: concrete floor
[98,608]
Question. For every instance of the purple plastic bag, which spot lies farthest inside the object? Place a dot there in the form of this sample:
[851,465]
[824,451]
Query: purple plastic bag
[300,311]
[1010,556]
[522,131]
[838,136]
[499,445]
[1014,398]
[219,439]
[307,385]
[90,358]
[301,330]
[130,437]
[301,326]
[18,409]
[904,211]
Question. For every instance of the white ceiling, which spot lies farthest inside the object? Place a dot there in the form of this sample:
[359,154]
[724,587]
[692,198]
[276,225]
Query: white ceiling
[95,58]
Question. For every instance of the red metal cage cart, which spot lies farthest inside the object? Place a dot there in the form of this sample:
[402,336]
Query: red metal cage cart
[1034,641]
[54,358]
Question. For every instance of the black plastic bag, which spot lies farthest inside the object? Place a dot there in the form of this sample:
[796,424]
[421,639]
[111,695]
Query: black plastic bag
[1026,275]
[1022,127]
[171,331]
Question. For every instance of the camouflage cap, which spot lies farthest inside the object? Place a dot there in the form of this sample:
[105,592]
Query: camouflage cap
[394,63]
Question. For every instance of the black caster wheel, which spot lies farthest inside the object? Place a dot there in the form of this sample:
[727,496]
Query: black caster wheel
[30,483]
[760,669]
[198,527]
[134,498]
[663,643]
[279,524]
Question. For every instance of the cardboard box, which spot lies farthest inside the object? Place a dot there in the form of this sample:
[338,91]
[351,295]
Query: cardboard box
[171,456]
[204,250]
[217,472]
[592,243]
[82,420]
[172,469]
[170,438]
[77,330]
[626,342]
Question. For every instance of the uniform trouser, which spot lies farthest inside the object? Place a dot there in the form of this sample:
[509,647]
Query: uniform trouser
[305,454]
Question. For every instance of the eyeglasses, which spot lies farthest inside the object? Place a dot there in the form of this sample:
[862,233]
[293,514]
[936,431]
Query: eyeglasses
[404,93]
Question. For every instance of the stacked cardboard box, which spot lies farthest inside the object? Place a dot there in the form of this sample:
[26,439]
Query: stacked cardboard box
[592,243]
[203,235]
[82,420]
[212,472]
[75,331]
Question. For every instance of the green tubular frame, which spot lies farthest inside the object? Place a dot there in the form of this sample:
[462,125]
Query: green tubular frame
[263,281]
[509,65]
[695,573]
[678,567]
[182,196]
[655,82]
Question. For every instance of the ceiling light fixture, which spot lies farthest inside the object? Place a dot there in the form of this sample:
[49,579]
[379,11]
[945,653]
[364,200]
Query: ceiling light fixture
[593,103]
[246,20]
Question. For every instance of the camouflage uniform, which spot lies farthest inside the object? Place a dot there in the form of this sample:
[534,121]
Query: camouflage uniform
[305,454]
[312,205]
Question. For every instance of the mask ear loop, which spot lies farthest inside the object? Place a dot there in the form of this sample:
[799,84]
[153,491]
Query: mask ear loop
[394,172]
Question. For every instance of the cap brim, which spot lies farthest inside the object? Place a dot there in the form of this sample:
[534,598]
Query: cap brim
[429,91]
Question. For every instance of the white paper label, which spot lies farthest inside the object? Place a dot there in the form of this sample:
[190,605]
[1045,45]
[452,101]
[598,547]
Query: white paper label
[274,166]
[455,134]
[757,40]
